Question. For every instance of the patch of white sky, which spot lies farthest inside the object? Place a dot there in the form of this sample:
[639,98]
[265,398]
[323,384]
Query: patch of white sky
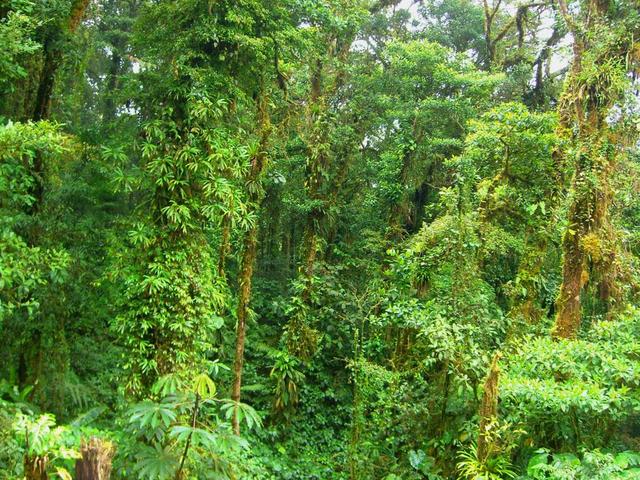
[560,56]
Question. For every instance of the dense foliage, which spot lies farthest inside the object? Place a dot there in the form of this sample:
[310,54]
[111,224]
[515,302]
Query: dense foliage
[319,239]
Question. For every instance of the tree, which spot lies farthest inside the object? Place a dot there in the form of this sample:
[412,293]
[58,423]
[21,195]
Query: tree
[596,84]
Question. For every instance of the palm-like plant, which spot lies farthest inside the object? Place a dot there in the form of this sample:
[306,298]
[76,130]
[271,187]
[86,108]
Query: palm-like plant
[495,467]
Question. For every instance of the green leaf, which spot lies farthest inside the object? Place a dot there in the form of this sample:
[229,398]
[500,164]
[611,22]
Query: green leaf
[204,386]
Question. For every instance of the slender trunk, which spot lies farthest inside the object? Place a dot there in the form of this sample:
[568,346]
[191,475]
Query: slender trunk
[246,274]
[112,84]
[316,163]
[287,250]
[318,160]
[488,410]
[356,426]
[401,209]
[194,416]
[489,14]
[250,243]
[225,245]
[311,249]
[445,397]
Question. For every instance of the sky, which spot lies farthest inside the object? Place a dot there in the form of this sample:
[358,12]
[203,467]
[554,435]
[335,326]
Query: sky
[560,56]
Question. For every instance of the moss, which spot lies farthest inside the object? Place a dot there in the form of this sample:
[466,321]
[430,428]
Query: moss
[592,246]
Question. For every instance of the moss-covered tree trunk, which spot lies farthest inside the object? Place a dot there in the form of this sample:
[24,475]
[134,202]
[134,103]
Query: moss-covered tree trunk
[319,155]
[488,410]
[250,243]
[568,305]
[246,274]
[583,111]
[316,170]
[54,47]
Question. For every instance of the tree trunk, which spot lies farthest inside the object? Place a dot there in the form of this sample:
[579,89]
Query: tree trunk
[246,274]
[318,160]
[35,467]
[52,61]
[95,463]
[488,410]
[53,56]
[54,48]
[110,110]
[258,165]
[568,304]
[311,250]
[316,163]
[225,245]
[583,110]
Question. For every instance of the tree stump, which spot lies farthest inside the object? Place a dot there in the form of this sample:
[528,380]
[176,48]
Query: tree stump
[35,467]
[95,463]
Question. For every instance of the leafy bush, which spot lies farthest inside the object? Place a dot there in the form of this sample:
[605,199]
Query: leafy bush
[569,394]
[594,465]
